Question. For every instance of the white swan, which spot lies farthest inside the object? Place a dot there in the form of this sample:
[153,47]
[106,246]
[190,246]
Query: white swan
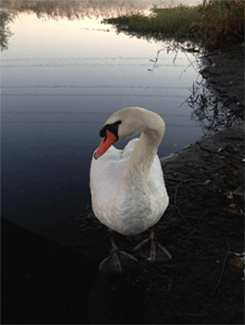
[127,186]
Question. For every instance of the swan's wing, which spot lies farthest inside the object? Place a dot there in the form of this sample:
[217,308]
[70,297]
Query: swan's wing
[156,181]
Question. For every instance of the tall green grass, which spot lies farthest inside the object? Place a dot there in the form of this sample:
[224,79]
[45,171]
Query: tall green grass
[170,22]
[218,24]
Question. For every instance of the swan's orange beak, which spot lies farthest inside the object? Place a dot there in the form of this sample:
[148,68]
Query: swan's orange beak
[105,144]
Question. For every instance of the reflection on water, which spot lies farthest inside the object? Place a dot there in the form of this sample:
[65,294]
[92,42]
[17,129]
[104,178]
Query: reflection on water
[5,33]
[76,9]
[61,79]
[211,113]
[73,9]
[177,47]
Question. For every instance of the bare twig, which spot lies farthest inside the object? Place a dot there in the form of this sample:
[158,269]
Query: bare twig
[217,152]
[175,199]
[223,268]
[156,60]
[172,179]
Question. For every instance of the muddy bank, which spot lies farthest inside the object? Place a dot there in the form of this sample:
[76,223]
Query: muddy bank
[224,72]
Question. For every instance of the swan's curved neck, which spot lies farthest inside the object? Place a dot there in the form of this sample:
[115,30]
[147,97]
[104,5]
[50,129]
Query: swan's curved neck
[141,159]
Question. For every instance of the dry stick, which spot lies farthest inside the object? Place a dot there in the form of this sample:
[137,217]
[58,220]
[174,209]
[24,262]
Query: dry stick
[172,179]
[223,268]
[218,153]
[175,199]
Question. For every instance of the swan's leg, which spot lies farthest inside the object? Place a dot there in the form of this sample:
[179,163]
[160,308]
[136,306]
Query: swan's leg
[113,260]
[154,243]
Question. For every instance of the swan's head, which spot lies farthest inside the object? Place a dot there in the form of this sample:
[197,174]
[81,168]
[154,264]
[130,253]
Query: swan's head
[127,123]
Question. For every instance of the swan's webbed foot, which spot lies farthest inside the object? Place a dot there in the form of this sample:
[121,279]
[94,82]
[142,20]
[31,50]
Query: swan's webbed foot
[157,251]
[114,261]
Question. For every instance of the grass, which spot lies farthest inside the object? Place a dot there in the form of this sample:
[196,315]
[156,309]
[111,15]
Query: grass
[222,23]
[218,24]
[170,22]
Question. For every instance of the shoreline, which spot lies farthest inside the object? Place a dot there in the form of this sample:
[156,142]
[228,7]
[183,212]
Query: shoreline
[226,79]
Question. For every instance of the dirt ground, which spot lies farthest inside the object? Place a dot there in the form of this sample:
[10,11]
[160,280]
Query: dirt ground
[43,282]
[225,74]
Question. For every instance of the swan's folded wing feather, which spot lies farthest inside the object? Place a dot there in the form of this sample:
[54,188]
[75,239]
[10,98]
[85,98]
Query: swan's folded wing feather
[156,181]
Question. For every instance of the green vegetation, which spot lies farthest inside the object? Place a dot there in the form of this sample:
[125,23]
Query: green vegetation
[170,22]
[218,24]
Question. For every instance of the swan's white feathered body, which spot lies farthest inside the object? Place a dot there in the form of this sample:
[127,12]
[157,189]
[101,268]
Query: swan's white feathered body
[127,186]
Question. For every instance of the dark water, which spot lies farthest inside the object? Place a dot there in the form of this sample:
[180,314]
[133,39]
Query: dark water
[61,80]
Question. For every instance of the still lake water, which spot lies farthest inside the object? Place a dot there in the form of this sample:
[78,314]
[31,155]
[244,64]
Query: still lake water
[60,80]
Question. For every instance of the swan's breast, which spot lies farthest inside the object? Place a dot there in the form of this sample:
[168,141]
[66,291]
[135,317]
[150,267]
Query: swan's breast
[128,210]
[106,174]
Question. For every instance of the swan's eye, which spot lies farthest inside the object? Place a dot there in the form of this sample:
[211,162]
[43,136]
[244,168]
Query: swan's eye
[113,128]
